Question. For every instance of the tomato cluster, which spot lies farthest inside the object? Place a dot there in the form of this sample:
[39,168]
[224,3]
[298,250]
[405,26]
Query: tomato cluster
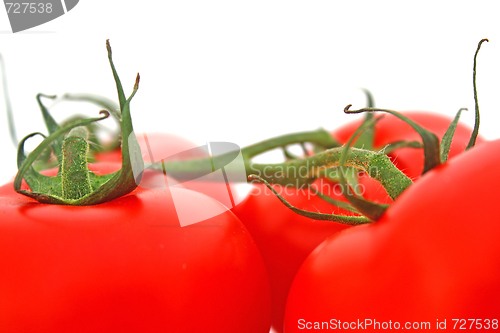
[286,239]
[129,264]
[434,255]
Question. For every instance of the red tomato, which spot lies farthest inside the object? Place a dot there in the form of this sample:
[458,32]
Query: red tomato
[157,146]
[286,238]
[162,144]
[433,256]
[391,129]
[128,266]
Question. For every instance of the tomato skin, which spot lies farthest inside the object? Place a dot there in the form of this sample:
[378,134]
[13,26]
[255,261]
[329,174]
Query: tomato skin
[285,238]
[128,266]
[158,146]
[162,145]
[391,129]
[433,255]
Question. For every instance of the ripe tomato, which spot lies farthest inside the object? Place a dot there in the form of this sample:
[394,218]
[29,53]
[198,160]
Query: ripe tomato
[391,129]
[286,238]
[434,255]
[158,146]
[128,266]
[162,144]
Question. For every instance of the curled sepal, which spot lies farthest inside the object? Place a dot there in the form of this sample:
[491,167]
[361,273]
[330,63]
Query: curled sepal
[475,132]
[106,104]
[371,210]
[448,136]
[288,155]
[370,102]
[36,181]
[44,189]
[123,181]
[349,220]
[101,101]
[367,137]
[393,146]
[51,125]
[429,139]
[119,87]
[21,156]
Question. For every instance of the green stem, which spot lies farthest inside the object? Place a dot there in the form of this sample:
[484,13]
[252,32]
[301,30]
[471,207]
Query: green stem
[74,170]
[319,137]
[369,209]
[344,219]
[304,171]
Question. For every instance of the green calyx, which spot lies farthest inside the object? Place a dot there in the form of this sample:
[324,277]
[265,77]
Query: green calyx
[74,184]
[377,166]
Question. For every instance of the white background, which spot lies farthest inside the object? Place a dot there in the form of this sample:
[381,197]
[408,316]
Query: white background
[245,71]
